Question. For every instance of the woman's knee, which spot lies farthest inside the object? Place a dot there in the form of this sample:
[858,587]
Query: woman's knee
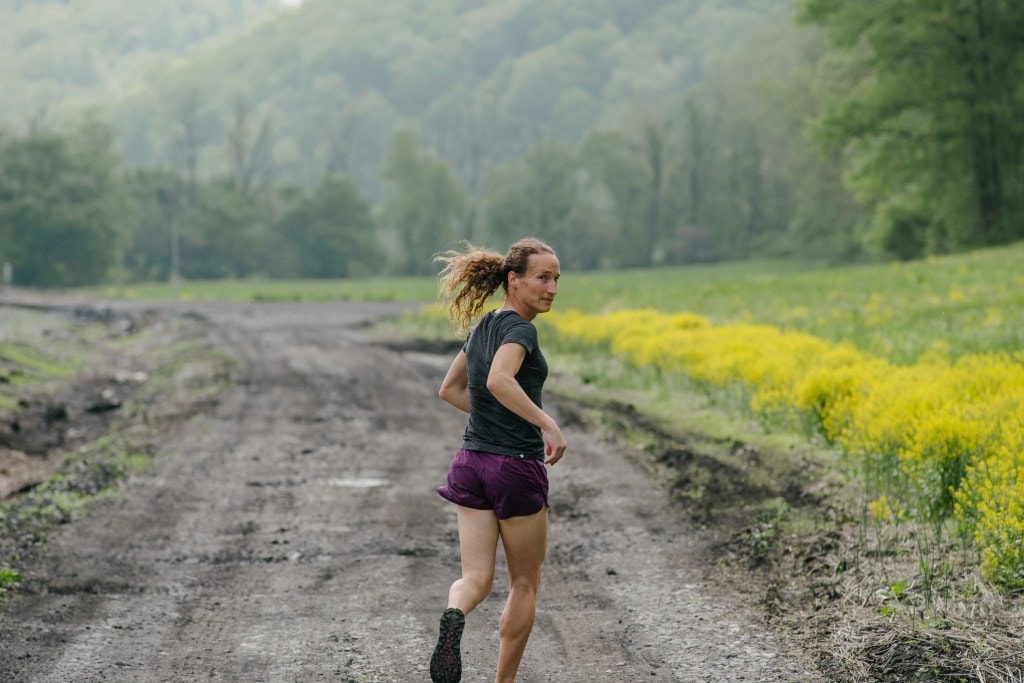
[480,582]
[525,583]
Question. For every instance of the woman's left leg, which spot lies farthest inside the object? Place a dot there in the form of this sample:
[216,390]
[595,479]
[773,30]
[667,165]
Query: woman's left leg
[478,544]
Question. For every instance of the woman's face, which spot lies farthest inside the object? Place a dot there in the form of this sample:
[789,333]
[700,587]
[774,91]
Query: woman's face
[535,291]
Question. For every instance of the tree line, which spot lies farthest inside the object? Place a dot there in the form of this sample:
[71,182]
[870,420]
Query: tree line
[887,128]
[73,213]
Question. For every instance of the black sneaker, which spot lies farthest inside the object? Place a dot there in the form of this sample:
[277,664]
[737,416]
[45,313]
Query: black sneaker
[446,662]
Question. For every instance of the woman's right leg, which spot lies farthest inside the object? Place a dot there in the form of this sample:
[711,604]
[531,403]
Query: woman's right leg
[478,545]
[525,540]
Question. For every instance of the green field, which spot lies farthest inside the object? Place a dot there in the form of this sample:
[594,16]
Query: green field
[970,303]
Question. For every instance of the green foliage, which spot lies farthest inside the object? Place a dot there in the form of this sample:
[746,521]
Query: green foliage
[9,579]
[58,203]
[157,200]
[627,134]
[560,68]
[328,234]
[42,364]
[425,205]
[225,234]
[926,105]
[613,180]
[533,196]
[83,51]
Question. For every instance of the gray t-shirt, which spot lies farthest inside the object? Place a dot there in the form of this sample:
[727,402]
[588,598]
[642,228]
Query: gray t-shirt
[493,427]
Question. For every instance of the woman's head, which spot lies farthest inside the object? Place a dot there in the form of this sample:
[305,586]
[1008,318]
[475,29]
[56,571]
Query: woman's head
[518,257]
[471,277]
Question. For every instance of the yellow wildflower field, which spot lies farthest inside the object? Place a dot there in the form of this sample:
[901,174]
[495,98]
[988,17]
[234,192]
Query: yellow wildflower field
[937,435]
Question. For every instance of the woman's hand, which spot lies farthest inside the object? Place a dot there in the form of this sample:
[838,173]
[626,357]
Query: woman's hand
[554,444]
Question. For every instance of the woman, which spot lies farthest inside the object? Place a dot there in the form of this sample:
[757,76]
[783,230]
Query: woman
[497,479]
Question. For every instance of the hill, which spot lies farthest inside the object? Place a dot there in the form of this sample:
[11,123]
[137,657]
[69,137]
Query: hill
[60,55]
[331,82]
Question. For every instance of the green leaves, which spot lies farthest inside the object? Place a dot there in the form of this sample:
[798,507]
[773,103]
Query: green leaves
[930,115]
[58,202]
[425,204]
[328,234]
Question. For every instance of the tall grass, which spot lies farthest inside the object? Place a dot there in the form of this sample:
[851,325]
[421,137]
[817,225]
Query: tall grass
[969,303]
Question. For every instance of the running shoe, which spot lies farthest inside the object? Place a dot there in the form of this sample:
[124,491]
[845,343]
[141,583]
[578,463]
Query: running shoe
[446,662]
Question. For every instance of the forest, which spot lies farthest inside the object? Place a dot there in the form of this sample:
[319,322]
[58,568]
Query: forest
[203,139]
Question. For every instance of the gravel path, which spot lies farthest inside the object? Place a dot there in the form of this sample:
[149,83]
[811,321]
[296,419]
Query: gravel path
[294,534]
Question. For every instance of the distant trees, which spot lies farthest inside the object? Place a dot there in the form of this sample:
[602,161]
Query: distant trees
[888,128]
[424,205]
[64,53]
[533,195]
[157,211]
[327,234]
[70,216]
[59,201]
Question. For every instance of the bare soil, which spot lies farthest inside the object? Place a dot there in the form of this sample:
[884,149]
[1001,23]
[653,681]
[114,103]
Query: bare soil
[287,527]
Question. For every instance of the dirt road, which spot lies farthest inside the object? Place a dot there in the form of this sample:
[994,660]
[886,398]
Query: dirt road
[293,534]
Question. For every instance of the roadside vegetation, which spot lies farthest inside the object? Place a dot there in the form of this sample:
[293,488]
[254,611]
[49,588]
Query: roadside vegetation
[82,400]
[899,553]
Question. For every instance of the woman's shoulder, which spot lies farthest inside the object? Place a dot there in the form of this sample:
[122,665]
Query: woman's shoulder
[509,319]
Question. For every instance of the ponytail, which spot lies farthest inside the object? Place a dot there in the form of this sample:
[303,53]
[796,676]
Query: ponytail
[468,281]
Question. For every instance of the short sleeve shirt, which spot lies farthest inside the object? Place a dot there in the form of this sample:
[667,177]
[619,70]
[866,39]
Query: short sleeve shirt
[492,427]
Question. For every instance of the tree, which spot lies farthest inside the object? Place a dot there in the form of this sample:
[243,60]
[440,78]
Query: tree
[654,141]
[185,144]
[534,195]
[328,234]
[248,147]
[58,207]
[226,233]
[425,204]
[157,198]
[929,115]
[609,159]
[465,131]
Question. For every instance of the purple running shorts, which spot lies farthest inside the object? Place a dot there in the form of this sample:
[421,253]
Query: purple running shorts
[511,486]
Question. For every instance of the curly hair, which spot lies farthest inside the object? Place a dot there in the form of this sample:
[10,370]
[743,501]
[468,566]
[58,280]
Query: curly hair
[472,276]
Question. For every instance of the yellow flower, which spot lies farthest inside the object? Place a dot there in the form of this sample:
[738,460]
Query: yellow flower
[944,434]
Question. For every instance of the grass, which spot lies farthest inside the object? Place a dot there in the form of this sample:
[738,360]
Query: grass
[34,349]
[968,303]
[368,289]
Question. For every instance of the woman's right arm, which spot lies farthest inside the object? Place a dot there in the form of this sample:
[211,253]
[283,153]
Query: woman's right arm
[502,383]
[455,387]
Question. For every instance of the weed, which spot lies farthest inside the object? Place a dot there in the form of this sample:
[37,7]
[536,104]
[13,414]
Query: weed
[9,580]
